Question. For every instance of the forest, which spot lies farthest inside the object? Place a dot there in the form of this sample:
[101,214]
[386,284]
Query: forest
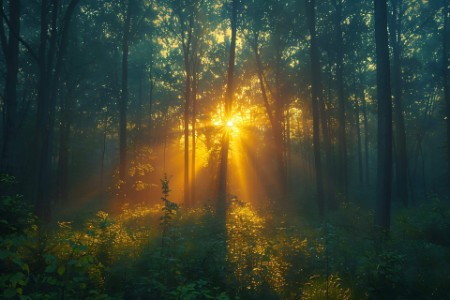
[224,149]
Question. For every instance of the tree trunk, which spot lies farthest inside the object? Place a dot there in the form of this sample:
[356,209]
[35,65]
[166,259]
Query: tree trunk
[358,133]
[445,75]
[399,121]
[274,120]
[123,105]
[328,178]
[52,50]
[42,207]
[341,139]
[62,178]
[196,65]
[186,43]
[366,137]
[315,95]
[11,53]
[223,167]
[384,151]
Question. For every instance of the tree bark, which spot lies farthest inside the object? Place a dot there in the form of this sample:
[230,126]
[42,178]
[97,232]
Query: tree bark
[358,133]
[274,119]
[315,95]
[223,167]
[384,137]
[342,140]
[445,75]
[196,66]
[366,137]
[399,120]
[123,106]
[10,48]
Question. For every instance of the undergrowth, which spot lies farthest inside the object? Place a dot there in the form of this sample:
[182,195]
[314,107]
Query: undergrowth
[168,252]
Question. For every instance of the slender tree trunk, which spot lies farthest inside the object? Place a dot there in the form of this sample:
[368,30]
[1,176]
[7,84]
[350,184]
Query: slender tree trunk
[383,205]
[342,140]
[42,169]
[11,53]
[102,159]
[150,96]
[187,201]
[52,50]
[280,141]
[62,178]
[223,167]
[123,106]
[445,74]
[329,181]
[315,95]
[196,62]
[288,149]
[274,120]
[358,133]
[139,108]
[400,135]
[187,103]
[366,137]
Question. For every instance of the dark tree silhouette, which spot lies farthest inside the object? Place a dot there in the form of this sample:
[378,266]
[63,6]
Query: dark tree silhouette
[384,138]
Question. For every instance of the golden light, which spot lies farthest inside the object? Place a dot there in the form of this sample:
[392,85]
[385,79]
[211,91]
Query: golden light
[230,123]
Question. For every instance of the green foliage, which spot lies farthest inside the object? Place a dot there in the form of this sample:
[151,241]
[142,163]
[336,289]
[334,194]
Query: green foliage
[166,252]
[16,222]
[318,288]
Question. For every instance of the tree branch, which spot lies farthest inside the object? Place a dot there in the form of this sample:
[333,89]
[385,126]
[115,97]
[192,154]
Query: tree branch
[2,32]
[16,35]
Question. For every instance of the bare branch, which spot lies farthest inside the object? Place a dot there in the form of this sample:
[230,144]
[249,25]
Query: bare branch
[16,35]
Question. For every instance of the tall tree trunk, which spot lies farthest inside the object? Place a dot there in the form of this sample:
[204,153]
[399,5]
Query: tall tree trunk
[186,43]
[274,119]
[10,48]
[445,74]
[399,121]
[328,178]
[315,95]
[358,133]
[196,65]
[62,178]
[123,105]
[150,96]
[342,140]
[42,163]
[102,157]
[187,201]
[384,151]
[140,108]
[366,137]
[52,50]
[223,167]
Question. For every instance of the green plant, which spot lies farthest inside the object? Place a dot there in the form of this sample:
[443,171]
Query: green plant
[330,288]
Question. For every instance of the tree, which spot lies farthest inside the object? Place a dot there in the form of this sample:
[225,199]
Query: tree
[445,73]
[10,47]
[401,157]
[384,137]
[341,137]
[223,167]
[52,49]
[123,102]
[315,95]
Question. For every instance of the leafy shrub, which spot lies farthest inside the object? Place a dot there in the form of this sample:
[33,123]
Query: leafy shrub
[318,288]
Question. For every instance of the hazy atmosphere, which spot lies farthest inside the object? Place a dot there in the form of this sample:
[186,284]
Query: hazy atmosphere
[224,149]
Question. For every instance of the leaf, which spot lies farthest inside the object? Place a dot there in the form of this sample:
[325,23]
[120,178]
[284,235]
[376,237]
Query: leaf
[17,279]
[61,270]
[9,293]
[50,268]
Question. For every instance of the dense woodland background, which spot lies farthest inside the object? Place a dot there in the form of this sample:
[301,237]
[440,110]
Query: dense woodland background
[192,149]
